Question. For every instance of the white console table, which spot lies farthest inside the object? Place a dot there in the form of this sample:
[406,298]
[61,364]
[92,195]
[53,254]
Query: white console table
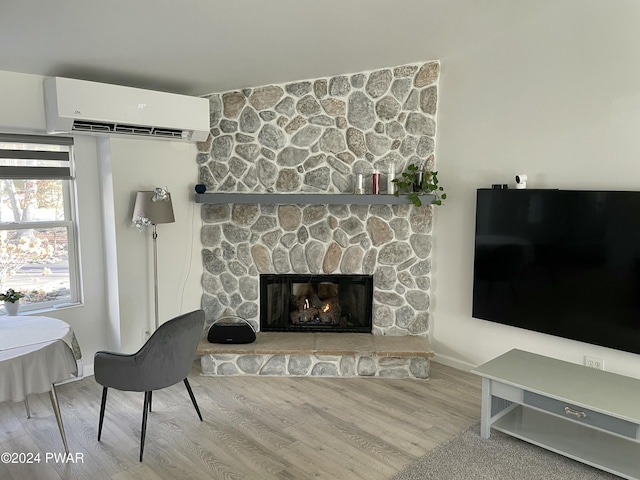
[589,415]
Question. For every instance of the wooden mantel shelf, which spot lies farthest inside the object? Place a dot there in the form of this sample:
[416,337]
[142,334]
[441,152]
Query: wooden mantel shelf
[306,198]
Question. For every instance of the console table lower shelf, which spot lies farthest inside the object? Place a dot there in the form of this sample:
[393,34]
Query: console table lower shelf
[588,415]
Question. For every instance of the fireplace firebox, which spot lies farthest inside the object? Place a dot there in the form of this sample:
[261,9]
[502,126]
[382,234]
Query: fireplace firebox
[316,303]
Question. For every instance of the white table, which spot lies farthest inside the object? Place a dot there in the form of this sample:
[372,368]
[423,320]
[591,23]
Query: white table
[36,353]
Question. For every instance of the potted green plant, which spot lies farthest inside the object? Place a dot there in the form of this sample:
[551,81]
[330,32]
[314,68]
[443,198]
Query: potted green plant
[11,299]
[417,181]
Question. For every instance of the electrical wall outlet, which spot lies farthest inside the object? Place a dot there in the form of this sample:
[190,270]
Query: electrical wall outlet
[594,362]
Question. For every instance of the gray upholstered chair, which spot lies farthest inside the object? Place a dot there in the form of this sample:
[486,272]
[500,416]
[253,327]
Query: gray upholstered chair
[164,360]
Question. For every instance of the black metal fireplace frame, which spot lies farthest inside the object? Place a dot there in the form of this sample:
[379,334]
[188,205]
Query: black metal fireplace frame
[283,325]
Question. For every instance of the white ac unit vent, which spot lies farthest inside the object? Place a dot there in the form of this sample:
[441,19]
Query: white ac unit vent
[98,108]
[101,127]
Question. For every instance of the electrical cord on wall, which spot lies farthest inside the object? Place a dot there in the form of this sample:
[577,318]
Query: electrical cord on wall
[190,260]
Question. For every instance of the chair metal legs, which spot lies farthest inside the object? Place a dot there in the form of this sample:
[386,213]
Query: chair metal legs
[102,405]
[145,409]
[193,399]
[145,412]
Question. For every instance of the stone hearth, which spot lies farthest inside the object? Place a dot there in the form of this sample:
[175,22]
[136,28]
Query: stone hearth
[320,354]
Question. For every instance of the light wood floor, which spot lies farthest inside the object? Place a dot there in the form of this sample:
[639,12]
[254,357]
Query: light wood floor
[262,428]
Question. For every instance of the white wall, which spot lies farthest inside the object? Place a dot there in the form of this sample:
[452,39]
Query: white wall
[117,309]
[557,98]
[21,103]
[23,112]
[139,164]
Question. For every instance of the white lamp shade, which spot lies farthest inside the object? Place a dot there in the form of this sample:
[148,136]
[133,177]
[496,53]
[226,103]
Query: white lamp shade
[160,211]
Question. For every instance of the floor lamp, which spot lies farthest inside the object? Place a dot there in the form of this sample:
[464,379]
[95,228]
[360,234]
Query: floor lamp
[151,208]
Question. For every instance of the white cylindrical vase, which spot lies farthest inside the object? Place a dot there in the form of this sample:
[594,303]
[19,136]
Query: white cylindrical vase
[11,308]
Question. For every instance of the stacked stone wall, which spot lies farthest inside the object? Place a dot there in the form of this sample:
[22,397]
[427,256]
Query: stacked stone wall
[314,136]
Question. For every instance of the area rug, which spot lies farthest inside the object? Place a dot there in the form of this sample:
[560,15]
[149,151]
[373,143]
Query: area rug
[470,457]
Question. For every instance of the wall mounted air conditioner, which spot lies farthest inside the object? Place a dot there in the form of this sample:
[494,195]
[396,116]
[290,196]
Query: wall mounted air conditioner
[78,106]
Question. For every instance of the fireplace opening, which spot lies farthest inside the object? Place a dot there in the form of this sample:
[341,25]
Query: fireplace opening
[316,303]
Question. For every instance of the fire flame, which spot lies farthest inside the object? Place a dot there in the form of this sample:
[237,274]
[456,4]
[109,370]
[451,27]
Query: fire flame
[326,308]
[306,303]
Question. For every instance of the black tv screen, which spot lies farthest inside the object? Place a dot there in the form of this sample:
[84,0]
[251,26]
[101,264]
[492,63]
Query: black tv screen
[565,263]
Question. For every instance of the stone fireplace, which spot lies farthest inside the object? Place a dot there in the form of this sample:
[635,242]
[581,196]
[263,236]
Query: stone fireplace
[316,303]
[313,136]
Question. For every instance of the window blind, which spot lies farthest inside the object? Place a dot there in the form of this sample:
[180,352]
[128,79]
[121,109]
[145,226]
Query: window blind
[35,156]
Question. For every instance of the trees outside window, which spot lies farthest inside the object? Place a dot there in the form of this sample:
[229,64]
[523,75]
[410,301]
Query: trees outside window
[38,255]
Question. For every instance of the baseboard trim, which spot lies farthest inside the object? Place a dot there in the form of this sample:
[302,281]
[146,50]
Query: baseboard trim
[88,371]
[452,362]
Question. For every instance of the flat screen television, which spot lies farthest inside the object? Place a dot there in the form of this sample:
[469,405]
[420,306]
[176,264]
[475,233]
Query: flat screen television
[561,262]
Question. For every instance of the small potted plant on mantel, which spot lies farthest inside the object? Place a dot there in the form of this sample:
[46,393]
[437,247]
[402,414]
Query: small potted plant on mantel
[419,180]
[11,299]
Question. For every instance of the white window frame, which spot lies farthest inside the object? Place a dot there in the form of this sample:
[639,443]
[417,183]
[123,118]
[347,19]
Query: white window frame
[70,212]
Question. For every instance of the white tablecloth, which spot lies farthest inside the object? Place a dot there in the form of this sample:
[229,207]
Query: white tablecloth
[35,352]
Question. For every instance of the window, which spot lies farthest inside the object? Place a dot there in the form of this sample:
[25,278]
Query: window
[38,247]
